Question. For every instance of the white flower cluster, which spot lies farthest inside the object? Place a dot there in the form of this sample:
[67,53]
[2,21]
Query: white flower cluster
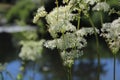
[89,2]
[51,43]
[70,44]
[111,31]
[61,27]
[40,13]
[66,37]
[58,20]
[101,6]
[83,5]
[31,50]
[80,5]
[68,57]
[67,41]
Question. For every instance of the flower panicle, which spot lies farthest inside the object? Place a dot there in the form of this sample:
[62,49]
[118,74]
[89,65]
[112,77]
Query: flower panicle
[40,13]
[111,32]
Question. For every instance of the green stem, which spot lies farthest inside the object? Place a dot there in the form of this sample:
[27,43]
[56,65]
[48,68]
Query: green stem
[56,2]
[78,24]
[114,67]
[69,73]
[101,18]
[11,76]
[2,78]
[98,69]
[97,45]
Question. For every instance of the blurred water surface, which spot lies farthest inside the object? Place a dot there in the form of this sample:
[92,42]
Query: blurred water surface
[14,68]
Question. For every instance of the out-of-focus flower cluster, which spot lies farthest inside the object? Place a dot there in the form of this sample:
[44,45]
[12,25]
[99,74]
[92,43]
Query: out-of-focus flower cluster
[111,31]
[31,50]
[30,35]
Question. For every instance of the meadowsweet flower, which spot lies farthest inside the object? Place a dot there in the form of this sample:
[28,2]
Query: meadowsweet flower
[91,2]
[69,57]
[68,40]
[70,44]
[50,44]
[83,5]
[31,50]
[59,20]
[61,28]
[58,15]
[86,31]
[111,32]
[40,13]
[101,6]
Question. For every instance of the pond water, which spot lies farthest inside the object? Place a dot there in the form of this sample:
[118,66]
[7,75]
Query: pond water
[14,68]
[50,66]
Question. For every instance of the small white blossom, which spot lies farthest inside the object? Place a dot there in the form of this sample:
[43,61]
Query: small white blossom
[111,31]
[83,5]
[61,27]
[86,31]
[70,40]
[59,14]
[50,44]
[65,1]
[69,57]
[31,50]
[59,20]
[101,6]
[40,13]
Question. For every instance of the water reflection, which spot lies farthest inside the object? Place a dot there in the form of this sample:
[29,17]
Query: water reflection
[83,70]
[86,69]
[7,49]
[50,67]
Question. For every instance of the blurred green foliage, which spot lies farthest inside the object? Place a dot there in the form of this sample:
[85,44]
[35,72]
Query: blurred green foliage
[21,11]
